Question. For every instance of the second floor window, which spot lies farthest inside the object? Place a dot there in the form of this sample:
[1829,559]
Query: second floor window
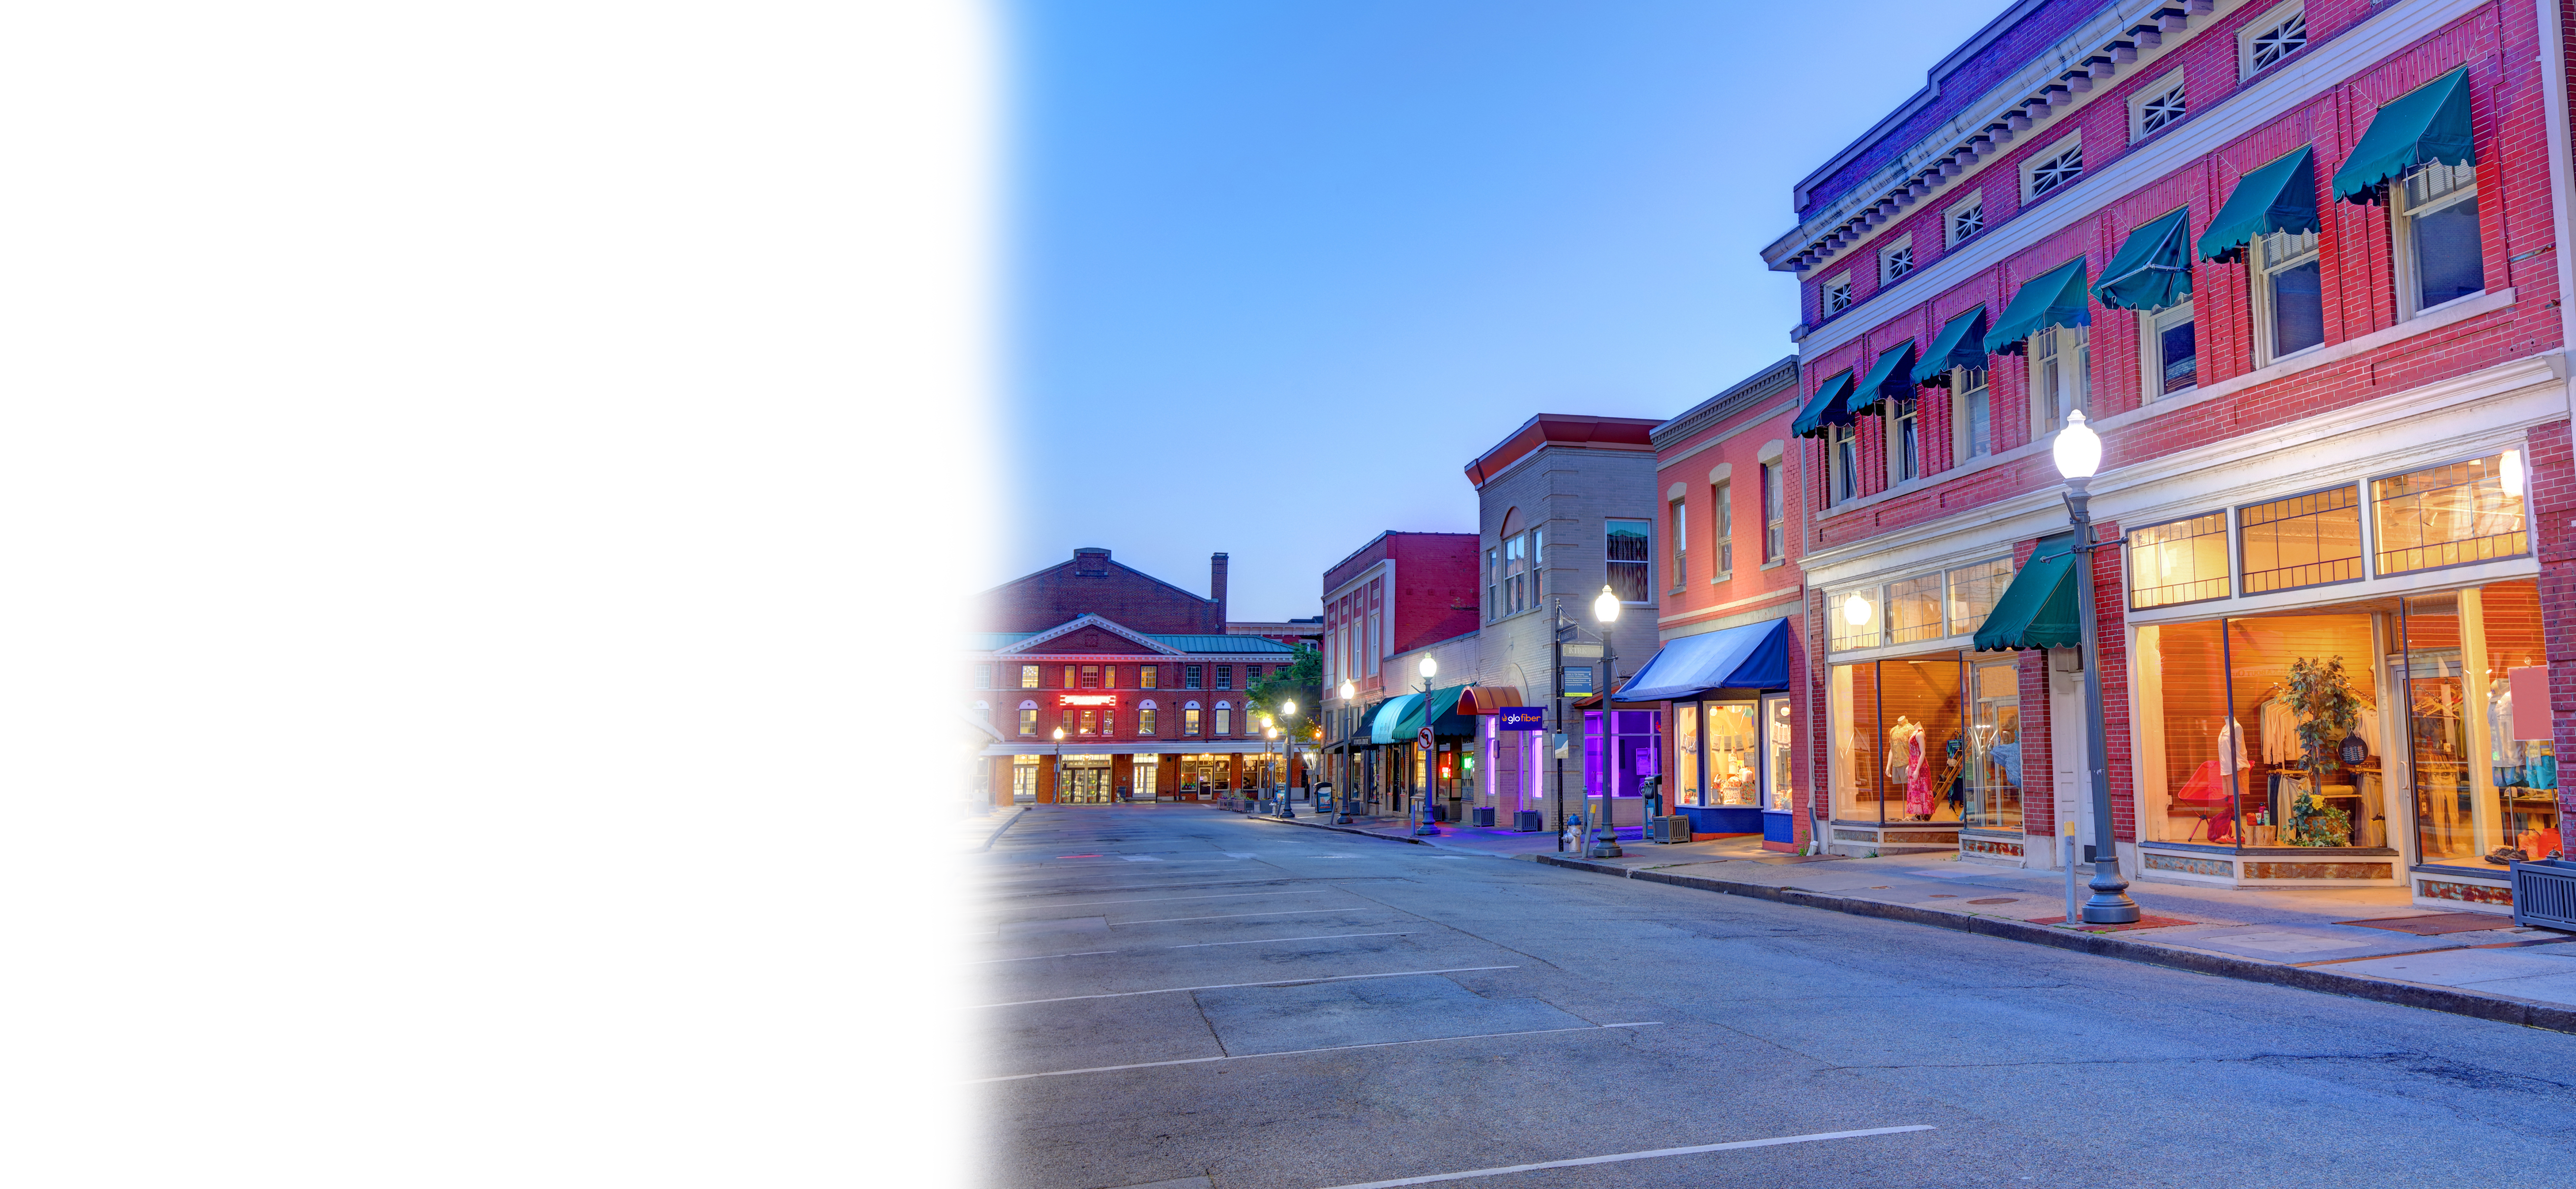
[2172,351]
[1224,719]
[1679,538]
[1975,412]
[1722,509]
[2277,41]
[2439,259]
[1630,552]
[1068,678]
[1028,720]
[1090,722]
[1189,676]
[2061,364]
[1145,677]
[1225,677]
[1904,448]
[2289,295]
[1091,677]
[1837,297]
[1145,721]
[2157,111]
[1190,719]
[1896,260]
[1842,461]
[1775,512]
[1028,677]
[1515,573]
[1493,583]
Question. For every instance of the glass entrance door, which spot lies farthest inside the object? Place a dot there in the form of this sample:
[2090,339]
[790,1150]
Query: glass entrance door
[1086,786]
[1778,744]
[1993,760]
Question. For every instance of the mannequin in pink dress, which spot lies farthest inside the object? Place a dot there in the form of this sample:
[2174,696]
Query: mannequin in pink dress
[1918,787]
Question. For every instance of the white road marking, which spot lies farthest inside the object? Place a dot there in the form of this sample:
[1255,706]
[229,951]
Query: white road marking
[1141,858]
[1276,982]
[1164,899]
[1308,937]
[1383,1044]
[1293,912]
[1648,1155]
[1035,957]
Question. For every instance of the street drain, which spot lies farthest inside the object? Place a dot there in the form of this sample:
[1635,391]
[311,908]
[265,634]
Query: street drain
[1944,896]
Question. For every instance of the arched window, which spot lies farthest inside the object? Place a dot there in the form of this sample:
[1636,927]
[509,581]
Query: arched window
[1028,718]
[1145,717]
[1224,718]
[1190,719]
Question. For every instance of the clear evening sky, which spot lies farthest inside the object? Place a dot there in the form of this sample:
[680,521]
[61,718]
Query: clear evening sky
[1280,268]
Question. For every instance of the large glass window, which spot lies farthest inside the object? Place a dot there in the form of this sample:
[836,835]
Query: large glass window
[2442,259]
[1734,761]
[1145,721]
[1190,719]
[1631,558]
[2186,792]
[1914,609]
[1898,743]
[1993,767]
[2305,540]
[2179,561]
[2485,771]
[1780,747]
[2289,294]
[2449,515]
[1091,677]
[1973,591]
[1224,719]
[1028,718]
[1686,782]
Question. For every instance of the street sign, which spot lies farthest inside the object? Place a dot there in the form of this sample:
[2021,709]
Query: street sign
[1423,740]
[1582,651]
[1575,682]
[1524,718]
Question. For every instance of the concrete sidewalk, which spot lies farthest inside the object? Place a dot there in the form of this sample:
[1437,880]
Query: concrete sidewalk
[2366,943]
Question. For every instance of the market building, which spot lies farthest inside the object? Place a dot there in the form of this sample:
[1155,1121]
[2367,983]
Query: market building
[1396,594]
[1723,680]
[1132,689]
[1565,505]
[2301,266]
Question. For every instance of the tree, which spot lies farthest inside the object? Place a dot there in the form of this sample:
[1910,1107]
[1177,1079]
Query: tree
[1300,681]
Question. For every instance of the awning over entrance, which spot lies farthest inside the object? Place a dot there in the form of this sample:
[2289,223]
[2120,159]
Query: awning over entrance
[1754,656]
[2152,271]
[1440,710]
[1891,378]
[1389,712]
[2422,126]
[2038,609]
[1488,699]
[1826,409]
[1961,343]
[2055,298]
[2281,196]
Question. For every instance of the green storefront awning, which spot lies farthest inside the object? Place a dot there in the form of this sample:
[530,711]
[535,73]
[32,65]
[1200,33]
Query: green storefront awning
[1826,409]
[2422,126]
[1390,712]
[2281,196]
[1439,708]
[2056,298]
[1961,343]
[2151,271]
[2038,609]
[1891,378]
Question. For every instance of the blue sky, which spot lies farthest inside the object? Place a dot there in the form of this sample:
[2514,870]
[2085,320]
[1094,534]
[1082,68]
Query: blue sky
[1278,270]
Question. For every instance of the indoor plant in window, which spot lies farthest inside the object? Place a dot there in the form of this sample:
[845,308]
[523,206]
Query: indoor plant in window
[2327,709]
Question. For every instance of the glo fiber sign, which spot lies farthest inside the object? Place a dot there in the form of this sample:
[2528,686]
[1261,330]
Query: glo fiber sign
[1524,718]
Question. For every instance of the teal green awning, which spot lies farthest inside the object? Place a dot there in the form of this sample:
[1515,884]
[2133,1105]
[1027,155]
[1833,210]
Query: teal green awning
[1961,343]
[2281,196]
[2422,126]
[1826,409]
[1440,709]
[1389,713]
[2151,271]
[1891,378]
[2057,298]
[2038,609]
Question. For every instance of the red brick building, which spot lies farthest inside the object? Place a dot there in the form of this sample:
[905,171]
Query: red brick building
[2301,265]
[1399,592]
[1127,688]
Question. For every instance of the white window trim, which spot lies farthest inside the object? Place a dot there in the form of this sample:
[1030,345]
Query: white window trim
[2260,270]
[1950,218]
[2155,90]
[1652,531]
[1833,467]
[2040,426]
[1825,295]
[1721,522]
[1678,508]
[2246,33]
[2151,352]
[2401,222]
[1887,252]
[2056,148]
[1887,423]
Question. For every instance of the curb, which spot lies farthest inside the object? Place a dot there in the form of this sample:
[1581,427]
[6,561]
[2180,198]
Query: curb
[2530,1013]
[1464,850]
[1019,812]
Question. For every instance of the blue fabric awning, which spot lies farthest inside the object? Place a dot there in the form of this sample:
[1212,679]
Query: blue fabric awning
[1754,656]
[1382,727]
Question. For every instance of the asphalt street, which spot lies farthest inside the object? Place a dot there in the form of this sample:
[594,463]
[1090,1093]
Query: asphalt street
[1177,996]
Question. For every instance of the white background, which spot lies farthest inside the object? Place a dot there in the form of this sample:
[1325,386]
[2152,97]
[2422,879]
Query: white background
[400,570]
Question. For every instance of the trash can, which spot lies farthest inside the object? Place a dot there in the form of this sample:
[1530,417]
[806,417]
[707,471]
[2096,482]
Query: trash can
[1529,821]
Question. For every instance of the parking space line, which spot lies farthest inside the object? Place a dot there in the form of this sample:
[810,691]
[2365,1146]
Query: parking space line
[1035,957]
[1289,912]
[1165,899]
[1383,1044]
[1310,937]
[1654,1154]
[1276,982]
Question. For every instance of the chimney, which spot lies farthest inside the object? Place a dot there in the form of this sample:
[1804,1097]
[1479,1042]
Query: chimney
[1216,587]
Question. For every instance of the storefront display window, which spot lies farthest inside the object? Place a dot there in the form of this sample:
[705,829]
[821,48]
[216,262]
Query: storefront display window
[1899,740]
[1973,591]
[2450,515]
[1781,744]
[2187,787]
[1914,609]
[1686,783]
[2485,772]
[2305,540]
[1993,767]
[2180,561]
[1734,772]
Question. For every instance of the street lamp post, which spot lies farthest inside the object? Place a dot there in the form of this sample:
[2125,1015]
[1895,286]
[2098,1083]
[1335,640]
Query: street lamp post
[2079,454]
[1428,668]
[1059,765]
[1342,792]
[1287,739]
[1605,834]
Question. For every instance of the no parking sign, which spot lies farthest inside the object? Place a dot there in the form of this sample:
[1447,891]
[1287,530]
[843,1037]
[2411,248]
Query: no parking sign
[1423,740]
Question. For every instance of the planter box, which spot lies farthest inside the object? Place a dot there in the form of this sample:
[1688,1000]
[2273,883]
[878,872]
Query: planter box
[2544,894]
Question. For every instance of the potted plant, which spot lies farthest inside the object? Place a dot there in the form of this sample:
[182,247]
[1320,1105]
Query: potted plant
[2327,709]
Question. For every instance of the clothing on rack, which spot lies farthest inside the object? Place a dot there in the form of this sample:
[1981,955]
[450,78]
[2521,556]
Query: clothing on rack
[2231,749]
[2280,727]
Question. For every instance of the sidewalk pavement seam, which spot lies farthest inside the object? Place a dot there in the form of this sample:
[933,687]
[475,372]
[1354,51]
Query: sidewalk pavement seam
[2507,1009]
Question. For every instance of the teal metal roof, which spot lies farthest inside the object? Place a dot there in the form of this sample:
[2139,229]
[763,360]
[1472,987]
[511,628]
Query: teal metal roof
[994,641]
[1223,644]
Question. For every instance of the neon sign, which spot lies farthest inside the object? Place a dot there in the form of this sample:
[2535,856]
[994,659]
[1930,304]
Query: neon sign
[1087,700]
